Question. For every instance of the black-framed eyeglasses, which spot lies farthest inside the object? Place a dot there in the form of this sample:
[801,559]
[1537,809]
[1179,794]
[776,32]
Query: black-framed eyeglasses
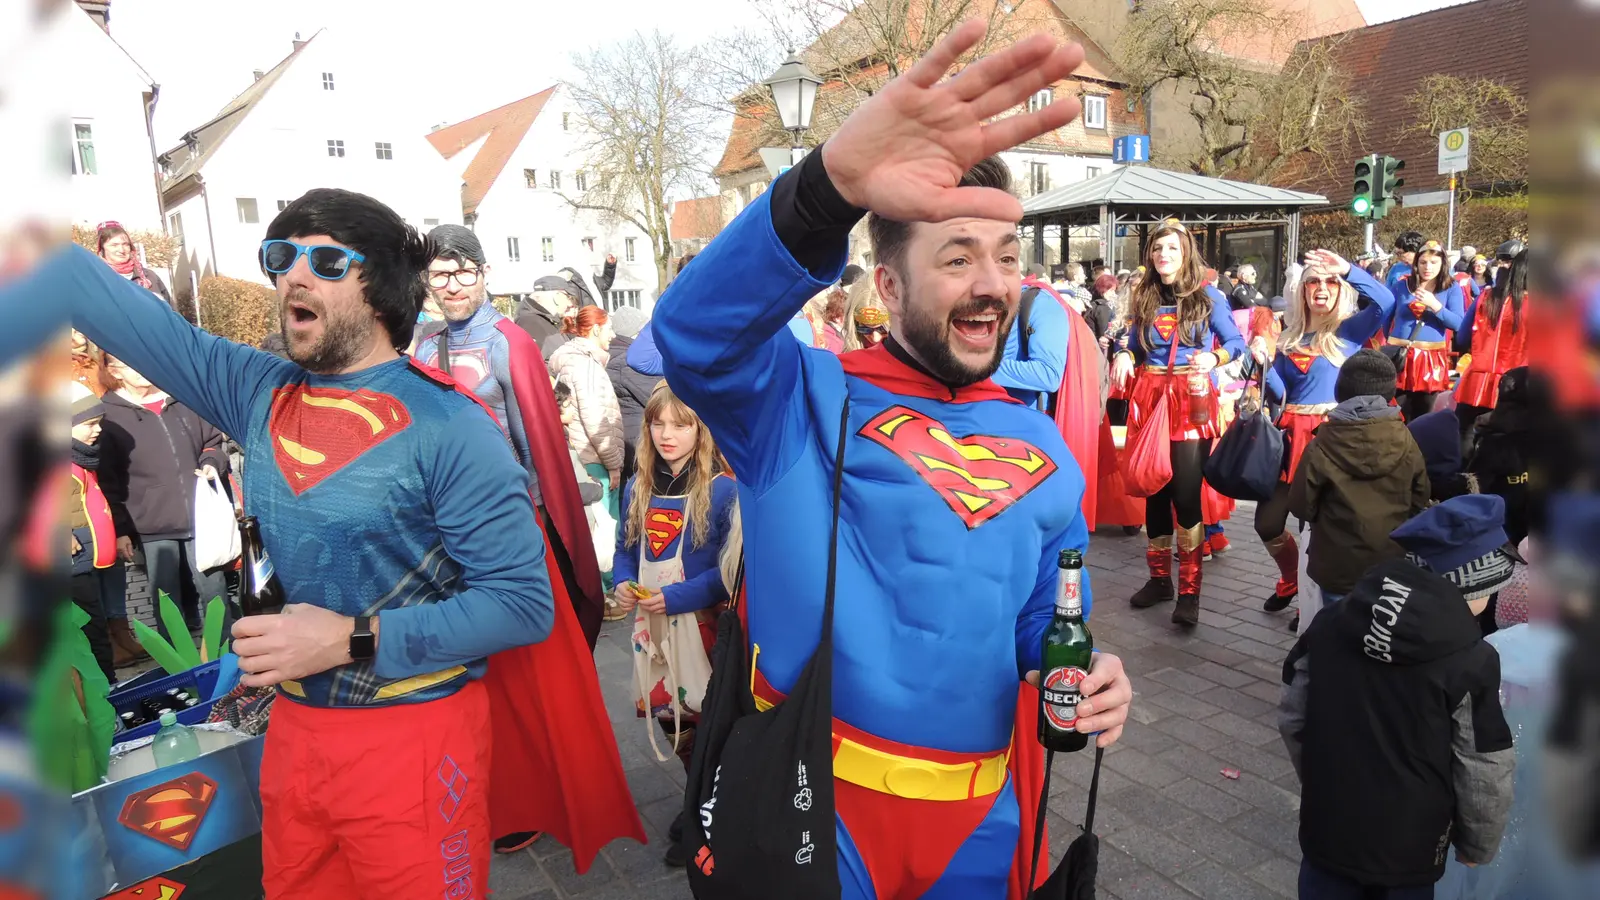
[463,277]
[328,262]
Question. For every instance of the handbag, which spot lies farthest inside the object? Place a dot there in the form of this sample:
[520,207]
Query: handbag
[1147,467]
[1247,462]
[1397,352]
[758,808]
[216,532]
[669,654]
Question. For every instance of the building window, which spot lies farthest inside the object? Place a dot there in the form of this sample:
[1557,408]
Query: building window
[588,244]
[1094,111]
[327,81]
[430,223]
[83,161]
[336,148]
[1040,100]
[283,205]
[1038,177]
[247,210]
[547,249]
[385,150]
[555,180]
[1091,172]
[531,177]
[175,227]
[627,249]
[513,249]
[564,118]
[619,299]
[580,181]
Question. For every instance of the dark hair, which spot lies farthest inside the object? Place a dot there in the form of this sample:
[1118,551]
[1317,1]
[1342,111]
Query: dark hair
[1409,241]
[1512,284]
[1188,289]
[397,256]
[1442,281]
[105,232]
[889,237]
[458,244]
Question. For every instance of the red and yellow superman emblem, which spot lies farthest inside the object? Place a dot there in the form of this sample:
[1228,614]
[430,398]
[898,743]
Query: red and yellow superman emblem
[661,528]
[1166,324]
[979,476]
[157,888]
[1302,359]
[318,431]
[170,812]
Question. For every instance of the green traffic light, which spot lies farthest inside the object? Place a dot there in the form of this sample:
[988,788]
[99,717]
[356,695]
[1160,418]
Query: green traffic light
[1360,206]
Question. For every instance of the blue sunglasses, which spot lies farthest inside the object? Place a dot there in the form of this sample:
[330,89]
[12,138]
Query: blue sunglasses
[327,261]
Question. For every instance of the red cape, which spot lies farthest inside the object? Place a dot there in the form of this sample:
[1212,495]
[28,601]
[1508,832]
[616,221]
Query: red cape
[558,485]
[553,764]
[1027,780]
[1078,410]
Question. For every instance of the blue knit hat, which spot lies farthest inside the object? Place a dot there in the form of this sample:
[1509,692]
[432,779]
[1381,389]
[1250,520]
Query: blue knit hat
[1464,540]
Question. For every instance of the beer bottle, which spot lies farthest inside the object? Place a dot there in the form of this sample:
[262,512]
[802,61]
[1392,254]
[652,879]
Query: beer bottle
[260,591]
[1064,660]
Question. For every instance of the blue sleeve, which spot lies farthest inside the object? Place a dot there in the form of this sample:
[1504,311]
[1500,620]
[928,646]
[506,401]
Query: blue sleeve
[741,368]
[1047,350]
[213,376]
[800,327]
[1222,325]
[706,589]
[1449,314]
[625,561]
[1041,606]
[1400,317]
[29,323]
[1275,387]
[479,494]
[643,357]
[1364,323]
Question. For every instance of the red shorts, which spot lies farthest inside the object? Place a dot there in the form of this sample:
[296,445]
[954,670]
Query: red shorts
[377,804]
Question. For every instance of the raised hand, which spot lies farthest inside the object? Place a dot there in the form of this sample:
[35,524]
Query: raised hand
[902,153]
[1328,261]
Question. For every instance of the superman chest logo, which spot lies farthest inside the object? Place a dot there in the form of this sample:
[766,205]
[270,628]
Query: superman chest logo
[318,431]
[661,528]
[979,476]
[157,888]
[170,812]
[1166,325]
[1302,360]
[469,367]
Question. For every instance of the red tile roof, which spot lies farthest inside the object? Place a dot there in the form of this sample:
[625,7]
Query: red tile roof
[504,127]
[1386,64]
[697,218]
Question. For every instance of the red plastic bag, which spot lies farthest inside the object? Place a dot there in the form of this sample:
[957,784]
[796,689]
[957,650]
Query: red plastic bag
[1148,465]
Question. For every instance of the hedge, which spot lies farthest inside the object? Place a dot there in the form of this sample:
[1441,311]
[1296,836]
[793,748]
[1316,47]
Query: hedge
[241,311]
[1480,223]
[160,248]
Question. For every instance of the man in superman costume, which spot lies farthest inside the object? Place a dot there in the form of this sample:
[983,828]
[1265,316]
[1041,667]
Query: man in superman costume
[399,522]
[956,499]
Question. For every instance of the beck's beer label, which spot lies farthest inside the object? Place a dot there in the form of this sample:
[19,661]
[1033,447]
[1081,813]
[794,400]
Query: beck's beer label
[1061,696]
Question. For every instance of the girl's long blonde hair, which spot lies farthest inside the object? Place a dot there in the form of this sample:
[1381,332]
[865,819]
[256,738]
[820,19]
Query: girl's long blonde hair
[863,295]
[732,549]
[701,468]
[1320,334]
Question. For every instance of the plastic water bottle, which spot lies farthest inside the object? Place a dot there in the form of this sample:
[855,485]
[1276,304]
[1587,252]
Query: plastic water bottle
[174,743]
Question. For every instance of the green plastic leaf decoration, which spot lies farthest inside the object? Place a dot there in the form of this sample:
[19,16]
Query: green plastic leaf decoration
[158,648]
[178,631]
[212,637]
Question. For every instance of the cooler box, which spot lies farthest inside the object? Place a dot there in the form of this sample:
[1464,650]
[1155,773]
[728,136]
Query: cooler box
[199,681]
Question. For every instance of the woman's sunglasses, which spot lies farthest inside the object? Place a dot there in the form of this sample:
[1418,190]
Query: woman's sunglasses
[1313,281]
[327,261]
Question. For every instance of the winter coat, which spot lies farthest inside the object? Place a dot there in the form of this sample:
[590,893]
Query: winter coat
[147,465]
[596,431]
[1391,715]
[538,322]
[633,392]
[1361,476]
[1245,296]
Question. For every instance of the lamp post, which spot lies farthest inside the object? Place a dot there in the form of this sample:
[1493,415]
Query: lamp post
[794,91]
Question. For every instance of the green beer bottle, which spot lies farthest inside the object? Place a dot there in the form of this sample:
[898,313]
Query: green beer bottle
[1064,661]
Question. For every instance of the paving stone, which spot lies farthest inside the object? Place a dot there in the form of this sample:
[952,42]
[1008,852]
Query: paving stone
[1156,849]
[1270,830]
[1279,874]
[567,880]
[1264,634]
[517,875]
[651,783]
[1270,653]
[1227,848]
[1179,679]
[1242,704]
[1217,653]
[1205,799]
[1223,675]
[1143,768]
[1184,705]
[1265,691]
[1241,729]
[1192,733]
[1153,808]
[1210,881]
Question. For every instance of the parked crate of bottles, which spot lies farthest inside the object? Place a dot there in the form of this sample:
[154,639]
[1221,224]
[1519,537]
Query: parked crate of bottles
[144,701]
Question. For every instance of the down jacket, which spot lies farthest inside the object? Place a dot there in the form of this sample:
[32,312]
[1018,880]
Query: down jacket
[595,433]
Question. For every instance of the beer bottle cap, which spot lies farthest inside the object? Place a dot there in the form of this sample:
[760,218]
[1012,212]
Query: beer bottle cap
[1070,559]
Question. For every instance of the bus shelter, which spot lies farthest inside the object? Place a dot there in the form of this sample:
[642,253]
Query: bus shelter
[1233,222]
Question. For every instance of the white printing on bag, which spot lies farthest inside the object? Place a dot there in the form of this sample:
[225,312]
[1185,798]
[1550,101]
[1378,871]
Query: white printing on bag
[1379,639]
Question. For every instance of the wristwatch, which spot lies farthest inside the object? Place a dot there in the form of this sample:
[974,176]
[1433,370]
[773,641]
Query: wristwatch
[363,643]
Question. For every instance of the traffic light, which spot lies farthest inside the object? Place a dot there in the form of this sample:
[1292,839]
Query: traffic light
[1364,195]
[1388,184]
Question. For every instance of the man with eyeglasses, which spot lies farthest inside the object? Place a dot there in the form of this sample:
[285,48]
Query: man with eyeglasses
[399,521]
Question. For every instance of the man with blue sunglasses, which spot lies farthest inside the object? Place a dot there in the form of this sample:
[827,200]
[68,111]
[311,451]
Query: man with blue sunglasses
[399,521]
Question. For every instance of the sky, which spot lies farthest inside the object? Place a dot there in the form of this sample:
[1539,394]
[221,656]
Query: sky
[447,67]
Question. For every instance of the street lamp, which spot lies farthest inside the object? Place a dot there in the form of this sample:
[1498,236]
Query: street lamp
[794,91]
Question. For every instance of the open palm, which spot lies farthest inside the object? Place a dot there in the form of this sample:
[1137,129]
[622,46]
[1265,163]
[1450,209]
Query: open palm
[902,153]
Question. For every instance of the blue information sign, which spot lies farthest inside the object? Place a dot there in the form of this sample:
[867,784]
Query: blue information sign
[1130,149]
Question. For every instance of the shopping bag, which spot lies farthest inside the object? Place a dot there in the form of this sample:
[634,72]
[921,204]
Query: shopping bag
[216,531]
[603,533]
[1310,599]
[1247,462]
[1147,467]
[670,670]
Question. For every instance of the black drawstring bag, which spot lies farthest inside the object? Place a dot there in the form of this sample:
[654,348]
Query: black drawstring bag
[1074,877]
[1247,462]
[758,809]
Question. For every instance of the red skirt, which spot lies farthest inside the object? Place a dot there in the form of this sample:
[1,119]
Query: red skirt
[1425,370]
[1479,388]
[1297,429]
[1147,389]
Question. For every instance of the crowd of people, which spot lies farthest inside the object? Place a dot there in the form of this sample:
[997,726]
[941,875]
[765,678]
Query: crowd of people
[871,432]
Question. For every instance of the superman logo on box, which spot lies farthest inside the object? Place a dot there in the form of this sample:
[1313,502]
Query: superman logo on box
[170,812]
[157,888]
[979,476]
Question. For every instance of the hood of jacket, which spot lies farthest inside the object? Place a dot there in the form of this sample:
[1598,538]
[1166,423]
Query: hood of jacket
[1403,615]
[581,347]
[1365,444]
[527,306]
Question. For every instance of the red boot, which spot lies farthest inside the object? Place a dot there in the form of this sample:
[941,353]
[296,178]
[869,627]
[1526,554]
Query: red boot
[1190,544]
[1283,551]
[1158,557]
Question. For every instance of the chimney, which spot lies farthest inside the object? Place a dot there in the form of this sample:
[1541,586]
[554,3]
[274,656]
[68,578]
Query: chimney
[297,42]
[99,11]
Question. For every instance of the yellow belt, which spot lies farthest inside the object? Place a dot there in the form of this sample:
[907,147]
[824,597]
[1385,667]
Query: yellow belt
[1309,409]
[1162,369]
[1420,345]
[917,779]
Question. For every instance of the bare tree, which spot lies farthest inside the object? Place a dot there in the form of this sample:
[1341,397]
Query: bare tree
[1496,113]
[649,129]
[1253,120]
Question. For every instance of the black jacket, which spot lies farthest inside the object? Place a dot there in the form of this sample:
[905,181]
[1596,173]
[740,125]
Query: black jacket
[1391,714]
[147,465]
[633,391]
[1245,296]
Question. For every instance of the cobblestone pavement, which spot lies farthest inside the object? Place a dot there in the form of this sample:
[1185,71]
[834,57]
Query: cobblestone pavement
[1171,825]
